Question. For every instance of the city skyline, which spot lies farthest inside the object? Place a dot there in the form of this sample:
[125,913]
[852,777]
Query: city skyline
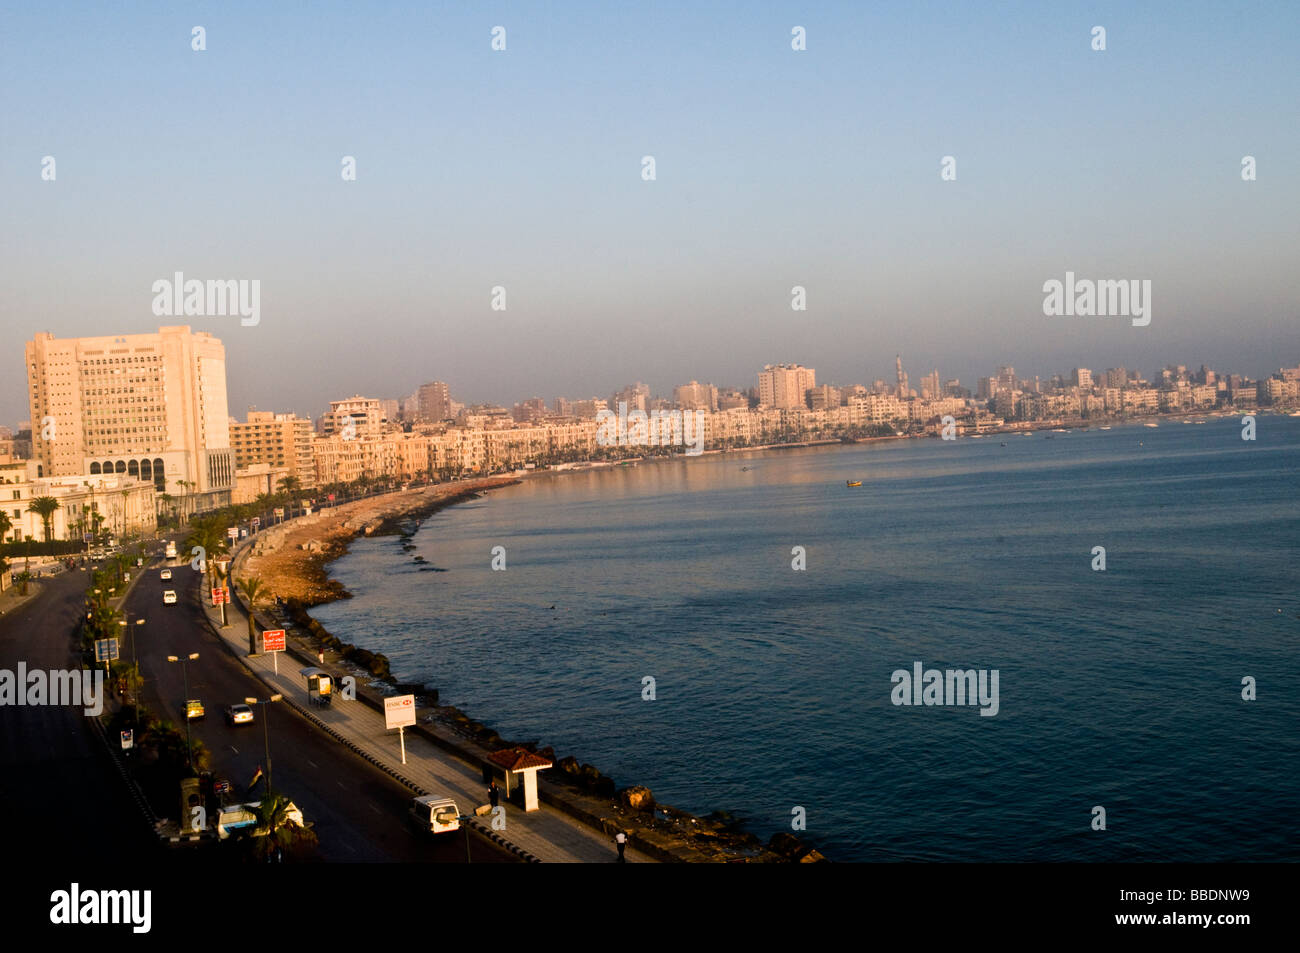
[521,169]
[323,411]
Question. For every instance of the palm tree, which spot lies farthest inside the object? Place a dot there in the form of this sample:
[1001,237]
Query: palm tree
[45,507]
[6,524]
[254,589]
[125,495]
[275,832]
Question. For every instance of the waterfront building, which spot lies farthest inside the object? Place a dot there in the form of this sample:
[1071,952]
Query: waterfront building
[149,407]
[696,396]
[103,503]
[435,401]
[277,440]
[785,386]
[356,416]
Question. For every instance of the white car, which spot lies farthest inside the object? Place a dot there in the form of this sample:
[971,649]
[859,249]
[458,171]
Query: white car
[165,574]
[169,597]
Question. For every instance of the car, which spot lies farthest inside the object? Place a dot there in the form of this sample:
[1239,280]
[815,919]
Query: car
[242,819]
[434,815]
[194,710]
[165,574]
[239,714]
[169,597]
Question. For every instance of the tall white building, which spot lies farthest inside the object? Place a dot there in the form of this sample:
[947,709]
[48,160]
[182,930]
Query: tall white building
[145,406]
[784,386]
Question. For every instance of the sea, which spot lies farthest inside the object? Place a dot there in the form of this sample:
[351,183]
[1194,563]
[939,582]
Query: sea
[650,620]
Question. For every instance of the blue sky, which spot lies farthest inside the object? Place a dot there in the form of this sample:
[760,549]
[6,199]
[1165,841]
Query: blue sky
[775,168]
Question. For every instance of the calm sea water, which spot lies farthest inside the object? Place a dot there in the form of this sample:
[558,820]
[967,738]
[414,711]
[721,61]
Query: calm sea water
[1119,688]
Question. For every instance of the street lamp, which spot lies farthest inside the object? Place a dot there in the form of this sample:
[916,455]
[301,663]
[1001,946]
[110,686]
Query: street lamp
[185,667]
[266,732]
[135,666]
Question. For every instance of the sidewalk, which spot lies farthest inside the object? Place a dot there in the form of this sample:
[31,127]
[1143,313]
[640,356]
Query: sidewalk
[546,834]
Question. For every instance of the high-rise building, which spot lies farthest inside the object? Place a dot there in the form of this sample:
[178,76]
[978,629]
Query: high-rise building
[930,387]
[785,386]
[696,396]
[277,440]
[148,406]
[902,392]
[636,396]
[1082,378]
[356,416]
[435,401]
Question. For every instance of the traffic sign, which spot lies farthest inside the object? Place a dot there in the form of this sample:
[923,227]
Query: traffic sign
[257,521]
[233,532]
[105,650]
[219,595]
[128,739]
[273,640]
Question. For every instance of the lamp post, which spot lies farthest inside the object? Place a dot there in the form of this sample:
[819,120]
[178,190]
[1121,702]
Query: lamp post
[266,731]
[464,822]
[185,667]
[135,667]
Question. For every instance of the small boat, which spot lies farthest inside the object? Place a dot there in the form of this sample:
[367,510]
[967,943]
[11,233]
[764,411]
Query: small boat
[1152,426]
[1104,428]
[1004,443]
[853,483]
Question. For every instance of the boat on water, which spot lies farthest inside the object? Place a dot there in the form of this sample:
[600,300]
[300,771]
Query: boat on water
[853,483]
[1152,426]
[1103,428]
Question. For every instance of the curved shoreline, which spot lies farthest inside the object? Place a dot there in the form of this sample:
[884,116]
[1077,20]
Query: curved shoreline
[575,787]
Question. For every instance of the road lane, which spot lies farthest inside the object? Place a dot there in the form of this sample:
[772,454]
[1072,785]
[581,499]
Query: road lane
[358,810]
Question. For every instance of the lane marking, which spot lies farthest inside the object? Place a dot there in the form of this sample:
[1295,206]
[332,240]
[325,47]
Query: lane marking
[375,809]
[312,763]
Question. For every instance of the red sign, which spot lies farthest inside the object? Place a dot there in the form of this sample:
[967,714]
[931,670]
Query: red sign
[331,497]
[273,640]
[220,595]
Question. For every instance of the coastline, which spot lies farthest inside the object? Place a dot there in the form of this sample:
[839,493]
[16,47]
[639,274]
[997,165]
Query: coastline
[393,513]
[296,558]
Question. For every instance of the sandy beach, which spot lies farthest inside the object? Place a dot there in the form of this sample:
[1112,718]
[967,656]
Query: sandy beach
[291,558]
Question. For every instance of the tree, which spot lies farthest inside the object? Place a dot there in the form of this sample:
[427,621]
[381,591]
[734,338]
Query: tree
[6,524]
[274,832]
[254,589]
[45,507]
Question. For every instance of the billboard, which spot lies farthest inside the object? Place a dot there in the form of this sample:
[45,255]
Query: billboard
[399,711]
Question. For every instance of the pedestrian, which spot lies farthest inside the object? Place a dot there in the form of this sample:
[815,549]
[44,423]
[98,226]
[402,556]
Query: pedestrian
[621,840]
[320,656]
[494,793]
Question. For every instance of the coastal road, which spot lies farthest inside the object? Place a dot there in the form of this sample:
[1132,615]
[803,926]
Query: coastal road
[357,810]
[61,796]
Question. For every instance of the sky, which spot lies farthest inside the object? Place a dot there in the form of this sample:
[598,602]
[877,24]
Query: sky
[774,168]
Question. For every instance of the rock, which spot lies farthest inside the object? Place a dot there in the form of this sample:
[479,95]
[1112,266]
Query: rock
[604,787]
[569,766]
[787,845]
[638,798]
[812,857]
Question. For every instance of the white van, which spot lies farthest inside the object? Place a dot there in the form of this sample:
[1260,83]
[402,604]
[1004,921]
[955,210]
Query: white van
[238,817]
[170,552]
[434,815]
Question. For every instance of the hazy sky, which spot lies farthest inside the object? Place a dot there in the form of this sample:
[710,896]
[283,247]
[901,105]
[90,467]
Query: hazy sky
[775,168]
